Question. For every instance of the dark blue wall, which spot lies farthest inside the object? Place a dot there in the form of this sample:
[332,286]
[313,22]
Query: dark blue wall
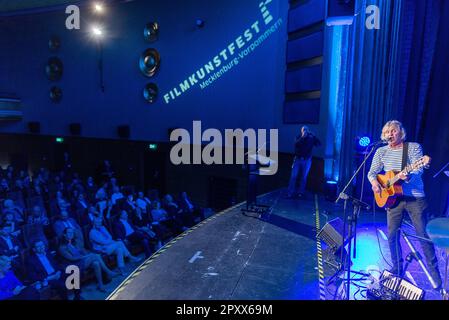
[249,95]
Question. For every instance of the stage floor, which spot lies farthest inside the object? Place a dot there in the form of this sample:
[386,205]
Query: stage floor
[275,256]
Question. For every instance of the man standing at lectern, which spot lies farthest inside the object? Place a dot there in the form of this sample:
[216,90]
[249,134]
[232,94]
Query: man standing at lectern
[304,144]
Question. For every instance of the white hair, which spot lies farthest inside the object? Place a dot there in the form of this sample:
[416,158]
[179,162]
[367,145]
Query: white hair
[393,123]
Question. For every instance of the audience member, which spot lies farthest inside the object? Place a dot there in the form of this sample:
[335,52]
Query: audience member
[41,267]
[90,189]
[12,288]
[116,195]
[9,217]
[10,246]
[143,202]
[37,227]
[64,221]
[103,242]
[9,206]
[124,230]
[71,248]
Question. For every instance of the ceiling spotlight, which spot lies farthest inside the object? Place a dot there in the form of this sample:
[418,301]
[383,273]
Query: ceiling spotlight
[98,8]
[96,31]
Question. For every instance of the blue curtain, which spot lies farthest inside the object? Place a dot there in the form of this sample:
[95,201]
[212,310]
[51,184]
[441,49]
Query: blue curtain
[426,103]
[373,81]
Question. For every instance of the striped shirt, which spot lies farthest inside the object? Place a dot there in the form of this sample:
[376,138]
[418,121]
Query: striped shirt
[387,159]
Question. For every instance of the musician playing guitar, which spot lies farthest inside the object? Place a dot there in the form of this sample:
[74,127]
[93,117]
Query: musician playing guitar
[409,196]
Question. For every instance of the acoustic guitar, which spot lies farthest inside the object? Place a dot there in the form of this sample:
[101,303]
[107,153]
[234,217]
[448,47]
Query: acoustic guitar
[391,184]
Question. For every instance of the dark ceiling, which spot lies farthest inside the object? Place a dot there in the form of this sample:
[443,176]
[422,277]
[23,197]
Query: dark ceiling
[9,6]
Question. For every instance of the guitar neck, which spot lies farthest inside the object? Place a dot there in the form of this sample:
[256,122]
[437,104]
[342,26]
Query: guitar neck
[407,170]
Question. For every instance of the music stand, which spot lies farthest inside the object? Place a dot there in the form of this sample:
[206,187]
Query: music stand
[253,172]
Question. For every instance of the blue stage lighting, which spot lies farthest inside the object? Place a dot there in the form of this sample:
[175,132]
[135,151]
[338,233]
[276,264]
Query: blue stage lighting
[199,23]
[364,141]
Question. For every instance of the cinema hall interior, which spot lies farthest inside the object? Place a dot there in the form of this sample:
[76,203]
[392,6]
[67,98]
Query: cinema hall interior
[224,151]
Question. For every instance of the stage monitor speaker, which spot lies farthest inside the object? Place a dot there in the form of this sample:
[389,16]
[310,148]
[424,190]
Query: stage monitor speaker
[340,8]
[34,127]
[75,129]
[123,131]
[332,234]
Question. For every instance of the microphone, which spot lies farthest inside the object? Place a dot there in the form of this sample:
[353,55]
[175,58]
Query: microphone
[378,143]
[383,141]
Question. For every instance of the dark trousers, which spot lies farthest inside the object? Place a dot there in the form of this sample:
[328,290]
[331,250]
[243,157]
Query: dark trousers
[139,237]
[416,208]
[298,177]
[59,287]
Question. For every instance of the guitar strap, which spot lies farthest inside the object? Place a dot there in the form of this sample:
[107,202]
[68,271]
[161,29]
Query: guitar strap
[404,155]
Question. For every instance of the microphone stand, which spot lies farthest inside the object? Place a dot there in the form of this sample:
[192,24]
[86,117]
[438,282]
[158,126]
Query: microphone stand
[357,204]
[418,258]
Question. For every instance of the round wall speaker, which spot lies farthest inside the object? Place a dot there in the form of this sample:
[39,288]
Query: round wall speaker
[55,94]
[149,62]
[151,31]
[54,43]
[54,69]
[150,92]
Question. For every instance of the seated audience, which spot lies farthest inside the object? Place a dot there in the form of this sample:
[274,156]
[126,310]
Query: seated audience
[9,206]
[64,221]
[188,210]
[9,217]
[103,242]
[116,195]
[41,267]
[26,179]
[174,213]
[92,213]
[90,189]
[4,187]
[81,207]
[129,205]
[37,227]
[102,193]
[143,202]
[38,215]
[10,246]
[73,251]
[12,288]
[125,230]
